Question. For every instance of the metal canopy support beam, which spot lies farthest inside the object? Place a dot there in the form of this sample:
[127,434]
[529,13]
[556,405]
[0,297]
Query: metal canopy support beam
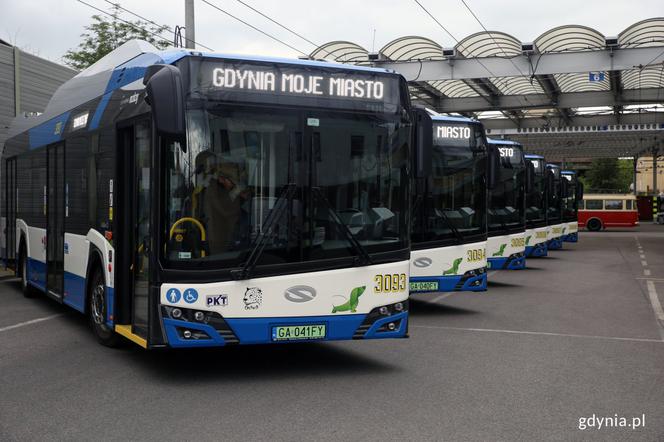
[547,64]
[538,101]
[579,120]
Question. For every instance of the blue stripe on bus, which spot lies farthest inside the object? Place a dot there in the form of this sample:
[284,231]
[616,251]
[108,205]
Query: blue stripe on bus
[48,132]
[74,291]
[37,274]
[99,112]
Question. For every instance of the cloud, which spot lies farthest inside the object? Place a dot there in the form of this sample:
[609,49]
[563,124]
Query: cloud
[49,28]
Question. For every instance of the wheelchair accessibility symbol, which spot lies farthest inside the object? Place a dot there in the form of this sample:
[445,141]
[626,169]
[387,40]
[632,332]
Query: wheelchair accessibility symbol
[190,296]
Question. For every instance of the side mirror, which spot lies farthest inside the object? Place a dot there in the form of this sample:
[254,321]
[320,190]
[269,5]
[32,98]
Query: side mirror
[530,176]
[423,143]
[579,191]
[493,166]
[165,96]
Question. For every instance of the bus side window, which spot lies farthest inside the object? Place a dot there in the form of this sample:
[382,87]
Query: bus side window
[628,205]
[594,204]
[582,204]
[613,204]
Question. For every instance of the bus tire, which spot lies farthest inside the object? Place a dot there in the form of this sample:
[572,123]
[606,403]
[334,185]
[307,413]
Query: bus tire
[97,310]
[27,289]
[594,225]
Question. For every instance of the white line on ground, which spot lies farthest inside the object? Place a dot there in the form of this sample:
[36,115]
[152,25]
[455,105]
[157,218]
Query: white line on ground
[654,300]
[521,332]
[644,263]
[646,272]
[642,256]
[443,296]
[32,321]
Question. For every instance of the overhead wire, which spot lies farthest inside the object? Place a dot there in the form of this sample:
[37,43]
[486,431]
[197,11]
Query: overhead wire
[167,28]
[125,21]
[498,79]
[254,27]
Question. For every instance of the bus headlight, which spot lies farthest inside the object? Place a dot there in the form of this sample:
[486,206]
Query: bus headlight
[199,316]
[176,313]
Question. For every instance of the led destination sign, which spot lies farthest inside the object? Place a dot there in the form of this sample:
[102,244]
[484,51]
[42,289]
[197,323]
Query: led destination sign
[453,132]
[294,84]
[305,84]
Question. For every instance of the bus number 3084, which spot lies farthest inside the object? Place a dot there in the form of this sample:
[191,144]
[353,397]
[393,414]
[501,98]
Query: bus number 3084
[475,255]
[390,283]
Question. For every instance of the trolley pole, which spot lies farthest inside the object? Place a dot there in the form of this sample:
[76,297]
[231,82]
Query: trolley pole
[189,26]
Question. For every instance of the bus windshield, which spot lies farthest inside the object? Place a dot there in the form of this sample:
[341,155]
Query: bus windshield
[535,200]
[299,185]
[506,203]
[453,205]
[555,203]
[570,203]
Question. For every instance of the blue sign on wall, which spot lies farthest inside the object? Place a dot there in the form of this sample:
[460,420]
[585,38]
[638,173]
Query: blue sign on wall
[594,77]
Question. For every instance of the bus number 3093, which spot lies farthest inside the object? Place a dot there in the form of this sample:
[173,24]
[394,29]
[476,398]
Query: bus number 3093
[390,283]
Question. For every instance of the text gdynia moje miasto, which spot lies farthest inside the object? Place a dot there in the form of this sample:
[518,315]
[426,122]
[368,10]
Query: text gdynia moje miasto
[293,83]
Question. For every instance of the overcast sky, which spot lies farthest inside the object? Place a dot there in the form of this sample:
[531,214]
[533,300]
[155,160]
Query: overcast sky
[50,27]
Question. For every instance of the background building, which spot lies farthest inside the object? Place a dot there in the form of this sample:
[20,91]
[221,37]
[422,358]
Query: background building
[26,84]
[644,168]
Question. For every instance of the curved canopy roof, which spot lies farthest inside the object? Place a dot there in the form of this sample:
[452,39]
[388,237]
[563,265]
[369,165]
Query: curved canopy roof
[527,97]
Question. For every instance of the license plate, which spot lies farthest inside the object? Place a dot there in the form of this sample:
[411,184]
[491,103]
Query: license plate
[429,286]
[298,332]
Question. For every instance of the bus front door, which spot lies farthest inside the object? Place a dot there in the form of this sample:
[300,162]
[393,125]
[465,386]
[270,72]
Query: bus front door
[55,240]
[134,243]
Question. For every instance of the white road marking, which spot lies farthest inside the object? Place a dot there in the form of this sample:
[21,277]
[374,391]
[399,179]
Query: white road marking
[32,321]
[443,296]
[646,272]
[642,256]
[644,263]
[654,300]
[521,332]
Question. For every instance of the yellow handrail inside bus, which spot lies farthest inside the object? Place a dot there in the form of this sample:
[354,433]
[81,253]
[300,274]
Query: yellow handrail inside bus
[194,221]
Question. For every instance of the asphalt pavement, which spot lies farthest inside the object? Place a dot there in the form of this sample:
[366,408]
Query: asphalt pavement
[577,334]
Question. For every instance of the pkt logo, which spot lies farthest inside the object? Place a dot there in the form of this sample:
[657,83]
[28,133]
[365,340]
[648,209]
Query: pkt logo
[300,293]
[216,300]
[422,262]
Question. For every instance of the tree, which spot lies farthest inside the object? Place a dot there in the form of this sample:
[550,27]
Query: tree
[610,174]
[107,33]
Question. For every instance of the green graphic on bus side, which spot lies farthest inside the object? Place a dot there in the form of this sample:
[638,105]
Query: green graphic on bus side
[500,251]
[528,239]
[353,301]
[454,269]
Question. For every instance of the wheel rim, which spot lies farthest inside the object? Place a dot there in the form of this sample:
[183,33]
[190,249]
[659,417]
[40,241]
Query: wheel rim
[97,305]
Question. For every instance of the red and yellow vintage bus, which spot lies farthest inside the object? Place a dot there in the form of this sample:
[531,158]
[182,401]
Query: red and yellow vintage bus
[599,211]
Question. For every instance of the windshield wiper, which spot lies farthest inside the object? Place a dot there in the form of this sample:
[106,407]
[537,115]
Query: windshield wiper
[454,230]
[266,233]
[362,257]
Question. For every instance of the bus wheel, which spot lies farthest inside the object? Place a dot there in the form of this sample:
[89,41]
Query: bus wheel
[97,311]
[594,225]
[28,290]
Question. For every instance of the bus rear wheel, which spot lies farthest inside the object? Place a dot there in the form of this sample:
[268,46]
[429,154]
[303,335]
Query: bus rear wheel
[28,290]
[97,311]
[594,225]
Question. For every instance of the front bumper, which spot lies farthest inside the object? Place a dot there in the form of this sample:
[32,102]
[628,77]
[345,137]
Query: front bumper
[471,281]
[516,261]
[216,331]
[555,243]
[537,250]
[571,237]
